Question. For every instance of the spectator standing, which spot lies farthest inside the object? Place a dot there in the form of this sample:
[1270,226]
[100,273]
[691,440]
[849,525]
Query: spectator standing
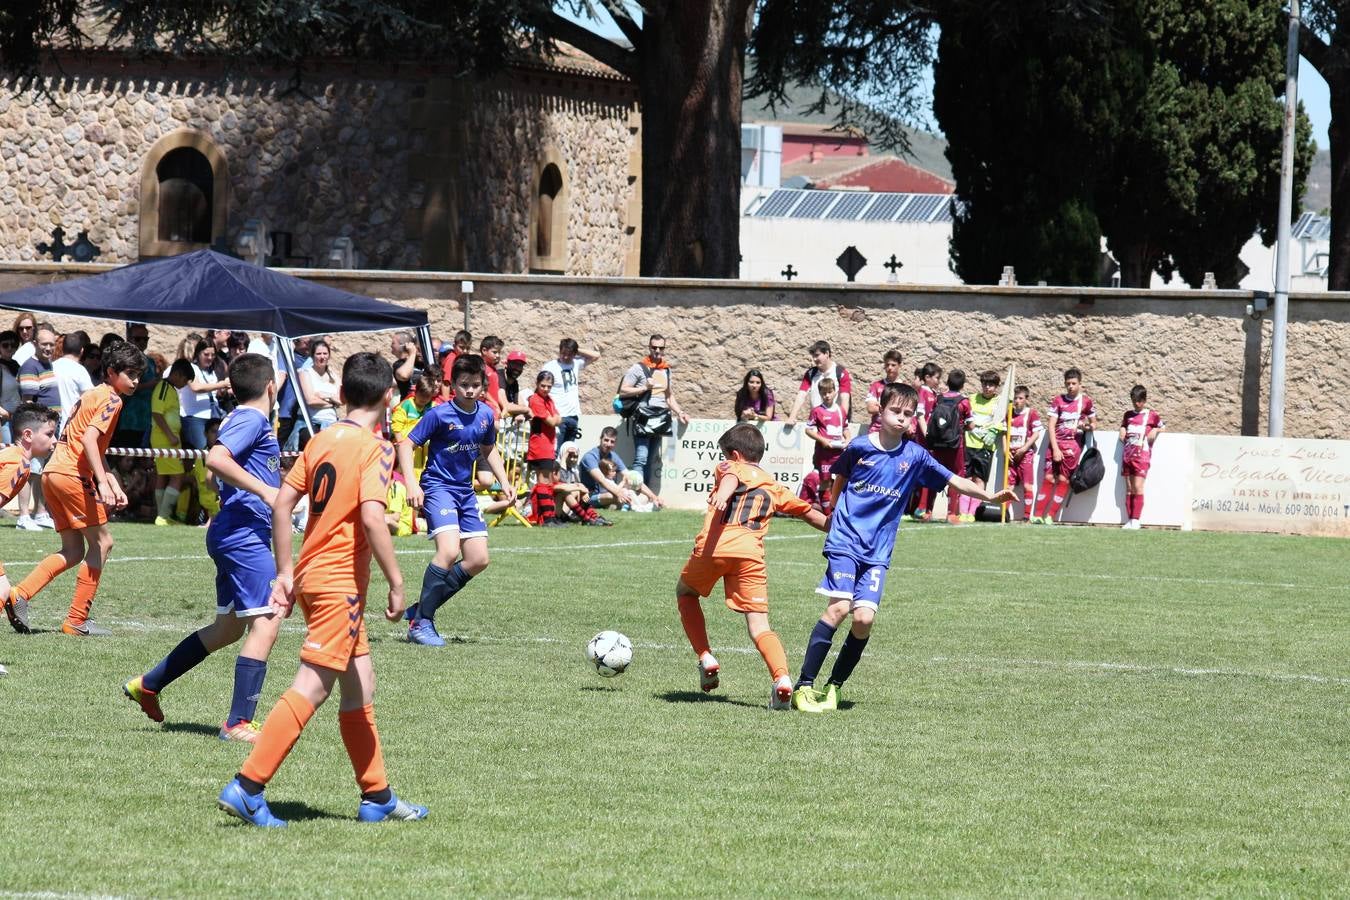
[1024,438]
[890,374]
[566,372]
[946,438]
[544,421]
[828,428]
[37,384]
[822,366]
[25,326]
[650,378]
[755,401]
[515,366]
[133,426]
[490,348]
[72,378]
[926,380]
[10,398]
[288,410]
[195,400]
[320,389]
[458,347]
[407,361]
[1069,420]
[266,344]
[1138,430]
[981,440]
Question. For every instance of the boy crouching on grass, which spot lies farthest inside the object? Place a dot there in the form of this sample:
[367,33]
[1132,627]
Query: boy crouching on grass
[345,471]
[731,547]
[873,480]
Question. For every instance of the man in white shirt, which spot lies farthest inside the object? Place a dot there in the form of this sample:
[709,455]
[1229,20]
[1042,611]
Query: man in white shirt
[566,392]
[72,378]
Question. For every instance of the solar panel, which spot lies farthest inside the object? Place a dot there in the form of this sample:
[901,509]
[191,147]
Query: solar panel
[884,207]
[921,208]
[1311,227]
[944,213]
[849,206]
[814,205]
[1301,226]
[779,203]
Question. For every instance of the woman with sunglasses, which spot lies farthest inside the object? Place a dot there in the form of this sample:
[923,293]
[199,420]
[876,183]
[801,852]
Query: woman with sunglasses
[25,326]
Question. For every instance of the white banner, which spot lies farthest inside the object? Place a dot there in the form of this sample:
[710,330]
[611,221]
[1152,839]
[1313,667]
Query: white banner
[1270,484]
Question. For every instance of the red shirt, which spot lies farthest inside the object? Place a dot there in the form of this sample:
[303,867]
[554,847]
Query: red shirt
[829,423]
[1137,425]
[1024,427]
[1070,414]
[542,434]
[491,386]
[874,394]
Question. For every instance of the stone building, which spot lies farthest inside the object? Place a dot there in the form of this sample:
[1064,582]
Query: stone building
[534,170]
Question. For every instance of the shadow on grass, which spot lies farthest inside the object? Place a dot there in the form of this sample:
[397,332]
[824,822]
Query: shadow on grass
[697,697]
[299,811]
[193,728]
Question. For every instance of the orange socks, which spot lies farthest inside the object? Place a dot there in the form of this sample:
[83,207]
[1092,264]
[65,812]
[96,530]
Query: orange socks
[86,585]
[363,746]
[771,648]
[279,734]
[41,576]
[695,628]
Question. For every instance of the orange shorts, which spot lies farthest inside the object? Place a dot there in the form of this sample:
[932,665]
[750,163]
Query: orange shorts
[72,501]
[745,581]
[337,629]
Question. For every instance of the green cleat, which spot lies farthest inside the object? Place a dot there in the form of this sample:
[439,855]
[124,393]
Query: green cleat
[831,699]
[805,699]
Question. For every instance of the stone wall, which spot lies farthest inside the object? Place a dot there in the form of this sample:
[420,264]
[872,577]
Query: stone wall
[341,155]
[1205,362]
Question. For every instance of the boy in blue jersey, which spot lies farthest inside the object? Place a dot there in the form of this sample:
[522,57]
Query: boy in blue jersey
[873,480]
[247,460]
[458,434]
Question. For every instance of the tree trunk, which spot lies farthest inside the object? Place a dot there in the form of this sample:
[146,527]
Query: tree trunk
[692,60]
[1338,137]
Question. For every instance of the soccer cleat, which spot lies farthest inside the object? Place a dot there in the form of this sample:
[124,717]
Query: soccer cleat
[162,522]
[44,520]
[252,809]
[423,632]
[781,698]
[708,673]
[806,699]
[85,629]
[3,671]
[968,518]
[16,608]
[27,524]
[953,520]
[394,810]
[830,700]
[243,731]
[148,700]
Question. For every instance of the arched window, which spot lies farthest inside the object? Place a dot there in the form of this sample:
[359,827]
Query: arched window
[548,215]
[185,188]
[184,199]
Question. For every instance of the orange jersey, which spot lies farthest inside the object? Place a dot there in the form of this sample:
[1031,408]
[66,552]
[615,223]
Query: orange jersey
[97,409]
[738,531]
[14,469]
[342,467]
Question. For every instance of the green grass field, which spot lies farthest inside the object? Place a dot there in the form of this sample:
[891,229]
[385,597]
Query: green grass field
[1085,712]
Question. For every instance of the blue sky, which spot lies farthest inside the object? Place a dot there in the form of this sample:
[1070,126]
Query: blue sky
[1313,92]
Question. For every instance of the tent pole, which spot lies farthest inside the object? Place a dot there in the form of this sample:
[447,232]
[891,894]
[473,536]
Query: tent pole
[287,357]
[428,354]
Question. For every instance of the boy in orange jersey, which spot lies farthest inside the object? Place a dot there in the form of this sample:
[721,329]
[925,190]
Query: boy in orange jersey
[34,430]
[345,472]
[80,491]
[731,547]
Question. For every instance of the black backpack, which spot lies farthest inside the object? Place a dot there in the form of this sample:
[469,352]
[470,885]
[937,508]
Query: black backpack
[1091,469]
[945,428]
[626,406]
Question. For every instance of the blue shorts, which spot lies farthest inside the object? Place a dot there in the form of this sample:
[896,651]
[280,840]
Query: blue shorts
[452,508]
[849,579]
[245,568]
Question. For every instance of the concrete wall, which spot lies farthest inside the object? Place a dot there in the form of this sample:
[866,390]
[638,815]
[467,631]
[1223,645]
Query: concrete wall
[1205,362]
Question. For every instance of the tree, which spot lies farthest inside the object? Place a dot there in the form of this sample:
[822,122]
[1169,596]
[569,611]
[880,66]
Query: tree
[687,59]
[1324,41]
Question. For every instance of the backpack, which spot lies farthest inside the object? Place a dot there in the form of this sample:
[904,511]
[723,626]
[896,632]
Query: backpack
[1091,469]
[626,406]
[945,428]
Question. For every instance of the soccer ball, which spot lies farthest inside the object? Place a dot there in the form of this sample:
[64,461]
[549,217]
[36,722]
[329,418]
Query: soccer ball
[610,653]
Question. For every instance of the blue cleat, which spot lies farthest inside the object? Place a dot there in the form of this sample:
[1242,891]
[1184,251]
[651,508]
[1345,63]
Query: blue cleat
[252,809]
[423,631]
[394,810]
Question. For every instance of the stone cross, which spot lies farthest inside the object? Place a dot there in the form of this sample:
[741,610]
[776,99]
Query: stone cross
[57,248]
[84,250]
[894,265]
[851,262]
[789,273]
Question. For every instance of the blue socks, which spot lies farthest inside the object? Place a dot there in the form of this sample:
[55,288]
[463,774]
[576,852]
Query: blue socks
[181,659]
[848,657]
[248,681]
[817,648]
[438,586]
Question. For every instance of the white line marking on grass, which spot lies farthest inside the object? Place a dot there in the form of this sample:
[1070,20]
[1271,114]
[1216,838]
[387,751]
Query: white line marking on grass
[1188,671]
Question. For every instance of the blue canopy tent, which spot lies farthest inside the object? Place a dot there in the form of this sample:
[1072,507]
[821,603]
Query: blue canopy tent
[206,289]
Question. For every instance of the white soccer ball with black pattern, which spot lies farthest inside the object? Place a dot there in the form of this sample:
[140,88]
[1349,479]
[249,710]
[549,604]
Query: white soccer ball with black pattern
[610,652]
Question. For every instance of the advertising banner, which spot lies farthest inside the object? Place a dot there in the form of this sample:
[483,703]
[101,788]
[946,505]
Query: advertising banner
[1270,484]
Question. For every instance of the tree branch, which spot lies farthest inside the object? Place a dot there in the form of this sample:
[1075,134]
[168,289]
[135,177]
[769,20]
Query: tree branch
[631,30]
[1315,50]
[611,54]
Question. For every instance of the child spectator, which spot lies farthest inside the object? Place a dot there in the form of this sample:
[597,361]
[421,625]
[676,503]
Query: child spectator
[570,493]
[1138,430]
[811,491]
[946,434]
[459,346]
[872,482]
[926,380]
[1024,439]
[544,419]
[890,374]
[828,428]
[543,501]
[490,348]
[345,470]
[165,426]
[981,439]
[1070,418]
[426,394]
[399,514]
[33,428]
[203,501]
[730,548]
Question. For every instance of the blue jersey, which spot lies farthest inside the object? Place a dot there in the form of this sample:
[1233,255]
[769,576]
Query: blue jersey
[877,485]
[248,436]
[454,437]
